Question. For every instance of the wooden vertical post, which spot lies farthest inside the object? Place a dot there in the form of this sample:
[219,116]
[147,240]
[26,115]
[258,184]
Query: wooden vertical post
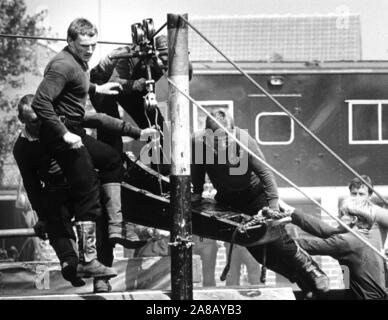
[179,108]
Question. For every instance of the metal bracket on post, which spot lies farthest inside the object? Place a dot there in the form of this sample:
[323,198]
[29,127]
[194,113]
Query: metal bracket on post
[179,241]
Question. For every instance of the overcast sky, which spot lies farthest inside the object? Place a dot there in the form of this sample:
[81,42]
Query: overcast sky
[114,17]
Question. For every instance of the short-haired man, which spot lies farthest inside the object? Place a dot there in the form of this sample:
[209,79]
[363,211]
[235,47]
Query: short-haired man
[365,266]
[49,192]
[249,190]
[131,73]
[60,105]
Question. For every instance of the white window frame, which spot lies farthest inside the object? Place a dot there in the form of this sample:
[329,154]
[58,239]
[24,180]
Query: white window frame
[379,104]
[206,103]
[257,129]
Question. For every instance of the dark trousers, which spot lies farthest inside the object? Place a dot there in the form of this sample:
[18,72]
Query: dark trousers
[78,168]
[60,229]
[104,248]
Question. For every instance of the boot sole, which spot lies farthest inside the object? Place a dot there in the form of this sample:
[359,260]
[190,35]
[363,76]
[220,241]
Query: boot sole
[96,276]
[128,244]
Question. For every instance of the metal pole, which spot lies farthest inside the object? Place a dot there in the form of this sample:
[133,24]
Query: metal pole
[24,232]
[179,108]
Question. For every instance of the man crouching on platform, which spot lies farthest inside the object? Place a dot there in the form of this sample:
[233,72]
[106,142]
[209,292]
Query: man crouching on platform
[50,194]
[249,190]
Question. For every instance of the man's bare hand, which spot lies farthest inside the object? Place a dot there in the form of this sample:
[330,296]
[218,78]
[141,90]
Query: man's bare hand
[73,140]
[148,132]
[109,88]
[139,84]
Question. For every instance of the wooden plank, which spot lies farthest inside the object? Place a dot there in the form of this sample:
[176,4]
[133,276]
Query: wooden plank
[43,278]
[214,293]
[209,220]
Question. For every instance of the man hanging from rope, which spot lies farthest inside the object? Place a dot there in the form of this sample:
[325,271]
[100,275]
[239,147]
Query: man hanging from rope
[249,187]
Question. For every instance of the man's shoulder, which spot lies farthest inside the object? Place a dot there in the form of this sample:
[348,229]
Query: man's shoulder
[63,63]
[23,146]
[121,50]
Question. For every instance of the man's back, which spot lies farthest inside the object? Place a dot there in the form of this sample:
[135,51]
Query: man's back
[363,263]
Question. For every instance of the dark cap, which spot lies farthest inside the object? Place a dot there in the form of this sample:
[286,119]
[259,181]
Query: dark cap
[161,43]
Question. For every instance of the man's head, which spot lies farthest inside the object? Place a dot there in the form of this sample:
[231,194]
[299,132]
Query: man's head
[359,189]
[221,140]
[357,211]
[222,117]
[27,115]
[161,47]
[82,38]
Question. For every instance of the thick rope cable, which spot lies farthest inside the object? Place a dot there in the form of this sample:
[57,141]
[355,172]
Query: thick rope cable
[157,146]
[276,171]
[278,104]
[16,36]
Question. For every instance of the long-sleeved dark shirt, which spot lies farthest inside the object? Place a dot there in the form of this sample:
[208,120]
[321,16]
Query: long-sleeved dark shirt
[63,91]
[38,169]
[365,268]
[123,70]
[255,176]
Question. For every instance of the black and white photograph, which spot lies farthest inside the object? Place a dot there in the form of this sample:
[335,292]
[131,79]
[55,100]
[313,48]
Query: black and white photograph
[197,157]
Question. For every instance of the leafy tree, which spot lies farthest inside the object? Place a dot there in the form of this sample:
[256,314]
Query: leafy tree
[17,57]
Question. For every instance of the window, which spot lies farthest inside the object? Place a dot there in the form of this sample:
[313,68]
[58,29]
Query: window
[274,128]
[368,121]
[199,116]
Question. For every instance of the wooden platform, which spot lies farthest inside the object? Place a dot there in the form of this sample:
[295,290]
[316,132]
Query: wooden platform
[45,278]
[218,293]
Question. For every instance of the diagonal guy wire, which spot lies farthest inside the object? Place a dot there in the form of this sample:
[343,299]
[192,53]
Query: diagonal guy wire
[16,36]
[277,103]
[277,172]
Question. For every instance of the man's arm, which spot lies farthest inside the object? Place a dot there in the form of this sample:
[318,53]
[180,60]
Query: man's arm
[122,74]
[102,120]
[334,246]
[123,128]
[49,89]
[31,180]
[381,215]
[313,225]
[265,175]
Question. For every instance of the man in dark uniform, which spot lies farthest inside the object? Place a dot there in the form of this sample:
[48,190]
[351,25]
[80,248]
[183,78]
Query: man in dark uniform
[244,183]
[49,191]
[364,264]
[60,105]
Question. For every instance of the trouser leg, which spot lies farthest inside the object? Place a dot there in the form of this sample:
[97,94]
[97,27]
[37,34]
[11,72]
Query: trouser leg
[289,260]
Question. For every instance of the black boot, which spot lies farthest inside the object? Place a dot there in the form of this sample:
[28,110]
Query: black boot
[120,232]
[308,275]
[89,266]
[67,255]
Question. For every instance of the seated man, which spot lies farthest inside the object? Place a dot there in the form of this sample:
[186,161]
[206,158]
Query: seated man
[242,182]
[363,263]
[52,201]
[131,74]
